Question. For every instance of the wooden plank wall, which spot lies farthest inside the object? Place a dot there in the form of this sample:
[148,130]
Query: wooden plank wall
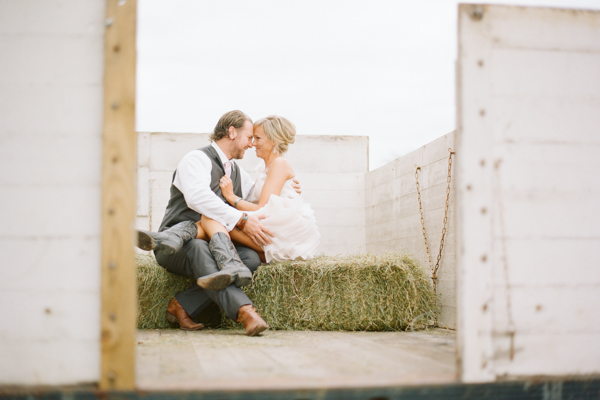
[393,220]
[528,192]
[51,68]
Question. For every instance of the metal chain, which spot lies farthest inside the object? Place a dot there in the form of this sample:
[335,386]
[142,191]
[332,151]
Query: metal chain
[435,268]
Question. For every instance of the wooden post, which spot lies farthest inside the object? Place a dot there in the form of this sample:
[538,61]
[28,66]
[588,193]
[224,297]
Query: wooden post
[118,293]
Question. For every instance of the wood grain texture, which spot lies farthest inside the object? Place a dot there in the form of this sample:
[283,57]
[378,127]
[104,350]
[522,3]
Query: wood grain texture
[528,92]
[118,315]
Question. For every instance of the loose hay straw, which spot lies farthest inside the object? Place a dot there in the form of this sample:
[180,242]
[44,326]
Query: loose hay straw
[387,292]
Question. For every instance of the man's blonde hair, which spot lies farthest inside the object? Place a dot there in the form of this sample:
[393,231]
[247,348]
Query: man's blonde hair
[234,118]
[279,130]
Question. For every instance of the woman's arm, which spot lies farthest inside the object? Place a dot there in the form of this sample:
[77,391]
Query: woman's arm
[279,172]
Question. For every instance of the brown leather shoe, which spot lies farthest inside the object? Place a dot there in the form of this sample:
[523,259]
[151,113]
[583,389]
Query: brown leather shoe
[177,315]
[253,323]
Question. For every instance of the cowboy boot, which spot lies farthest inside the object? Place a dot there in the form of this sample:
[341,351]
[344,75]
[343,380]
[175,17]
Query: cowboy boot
[177,315]
[169,241]
[253,323]
[232,269]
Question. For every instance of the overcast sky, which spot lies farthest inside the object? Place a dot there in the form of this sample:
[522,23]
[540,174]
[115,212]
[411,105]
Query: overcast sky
[378,68]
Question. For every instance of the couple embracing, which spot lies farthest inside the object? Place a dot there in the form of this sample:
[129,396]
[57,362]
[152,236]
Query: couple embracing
[220,224]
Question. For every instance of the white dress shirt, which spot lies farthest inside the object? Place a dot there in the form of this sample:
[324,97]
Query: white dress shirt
[193,178]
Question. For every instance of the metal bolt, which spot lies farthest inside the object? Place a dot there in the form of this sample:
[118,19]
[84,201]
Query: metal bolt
[112,316]
[476,13]
[112,265]
[108,22]
[115,105]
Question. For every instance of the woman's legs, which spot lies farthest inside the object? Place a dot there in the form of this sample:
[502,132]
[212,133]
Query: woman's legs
[208,227]
[201,233]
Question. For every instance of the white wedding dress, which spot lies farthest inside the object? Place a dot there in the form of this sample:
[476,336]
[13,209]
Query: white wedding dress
[290,219]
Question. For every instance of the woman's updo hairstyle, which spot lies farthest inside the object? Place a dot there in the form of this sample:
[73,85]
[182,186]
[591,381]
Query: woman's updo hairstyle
[279,130]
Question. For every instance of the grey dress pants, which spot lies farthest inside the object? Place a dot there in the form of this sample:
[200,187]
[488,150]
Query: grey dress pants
[194,259]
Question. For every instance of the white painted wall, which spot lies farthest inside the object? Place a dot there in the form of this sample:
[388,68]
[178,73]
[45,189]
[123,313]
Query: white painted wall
[393,220]
[51,68]
[528,192]
[331,171]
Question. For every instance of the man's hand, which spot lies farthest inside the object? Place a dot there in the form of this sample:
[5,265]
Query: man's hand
[257,232]
[296,186]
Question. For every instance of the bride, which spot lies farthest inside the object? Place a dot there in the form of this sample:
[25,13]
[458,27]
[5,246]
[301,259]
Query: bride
[292,221]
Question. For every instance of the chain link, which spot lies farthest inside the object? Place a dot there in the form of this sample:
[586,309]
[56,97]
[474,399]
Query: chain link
[435,268]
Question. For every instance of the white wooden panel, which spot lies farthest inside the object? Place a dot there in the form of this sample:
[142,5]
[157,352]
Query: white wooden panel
[332,154]
[50,308]
[438,149]
[550,169]
[55,263]
[39,59]
[550,29]
[167,149]
[528,97]
[330,198]
[342,240]
[535,126]
[50,160]
[550,354]
[548,262]
[143,223]
[336,216]
[50,211]
[64,361]
[160,185]
[331,182]
[552,309]
[143,150]
[143,191]
[51,78]
[42,17]
[406,164]
[40,109]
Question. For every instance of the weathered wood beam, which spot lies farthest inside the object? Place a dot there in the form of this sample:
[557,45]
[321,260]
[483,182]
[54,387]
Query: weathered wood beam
[118,293]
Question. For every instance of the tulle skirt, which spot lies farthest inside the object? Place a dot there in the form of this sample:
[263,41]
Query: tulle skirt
[294,225]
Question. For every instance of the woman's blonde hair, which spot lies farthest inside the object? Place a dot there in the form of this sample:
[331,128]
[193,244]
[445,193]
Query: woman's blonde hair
[279,130]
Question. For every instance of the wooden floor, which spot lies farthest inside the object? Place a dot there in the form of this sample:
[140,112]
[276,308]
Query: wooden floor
[228,360]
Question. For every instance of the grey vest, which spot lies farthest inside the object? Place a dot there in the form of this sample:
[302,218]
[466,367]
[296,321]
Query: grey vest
[177,209]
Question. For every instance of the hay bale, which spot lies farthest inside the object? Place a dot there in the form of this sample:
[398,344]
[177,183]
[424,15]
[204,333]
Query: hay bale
[156,288]
[358,292]
[362,292]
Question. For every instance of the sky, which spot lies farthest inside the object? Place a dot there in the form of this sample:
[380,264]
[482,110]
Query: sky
[378,68]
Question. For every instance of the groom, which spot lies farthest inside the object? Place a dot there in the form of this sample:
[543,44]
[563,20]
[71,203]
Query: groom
[195,192]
